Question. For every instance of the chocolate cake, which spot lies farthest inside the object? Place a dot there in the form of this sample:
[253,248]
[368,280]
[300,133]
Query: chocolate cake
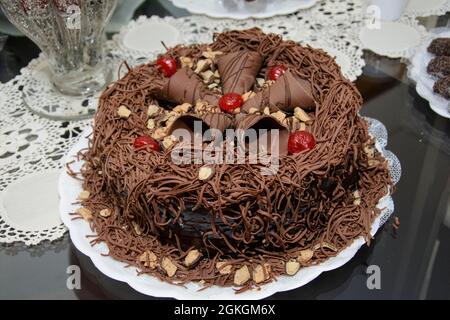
[231,223]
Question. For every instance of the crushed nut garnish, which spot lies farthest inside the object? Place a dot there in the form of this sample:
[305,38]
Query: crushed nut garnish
[123,112]
[186,62]
[248,95]
[192,258]
[241,276]
[152,110]
[292,267]
[105,213]
[279,115]
[84,195]
[151,123]
[182,108]
[85,213]
[224,269]
[169,267]
[305,255]
[205,172]
[260,273]
[301,115]
[149,259]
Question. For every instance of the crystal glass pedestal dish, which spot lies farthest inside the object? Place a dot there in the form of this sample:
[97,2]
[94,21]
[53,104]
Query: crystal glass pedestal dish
[70,34]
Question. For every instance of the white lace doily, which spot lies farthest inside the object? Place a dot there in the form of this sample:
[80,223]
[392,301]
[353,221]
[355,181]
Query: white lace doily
[79,231]
[240,9]
[31,149]
[425,8]
[397,39]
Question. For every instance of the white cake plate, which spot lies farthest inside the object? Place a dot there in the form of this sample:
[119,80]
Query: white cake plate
[69,189]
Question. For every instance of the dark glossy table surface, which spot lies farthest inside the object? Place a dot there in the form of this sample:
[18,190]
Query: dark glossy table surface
[414,262]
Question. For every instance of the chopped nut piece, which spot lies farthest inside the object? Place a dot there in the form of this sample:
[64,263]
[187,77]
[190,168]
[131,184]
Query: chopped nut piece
[192,257]
[182,108]
[186,62]
[302,126]
[223,269]
[149,259]
[292,267]
[208,76]
[105,213]
[325,245]
[168,267]
[211,54]
[159,134]
[123,112]
[260,82]
[357,196]
[253,110]
[202,65]
[305,255]
[84,195]
[279,115]
[217,81]
[151,124]
[153,110]
[373,163]
[301,115]
[169,141]
[260,273]
[136,227]
[268,269]
[241,276]
[85,213]
[237,110]
[217,74]
[205,172]
[268,83]
[248,95]
[266,110]
[369,150]
[213,85]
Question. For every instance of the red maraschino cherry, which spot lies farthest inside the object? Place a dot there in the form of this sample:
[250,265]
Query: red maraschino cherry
[300,140]
[230,101]
[275,72]
[168,65]
[143,141]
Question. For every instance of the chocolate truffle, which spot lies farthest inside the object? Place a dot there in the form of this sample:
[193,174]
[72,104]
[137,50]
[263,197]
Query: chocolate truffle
[442,87]
[440,47]
[439,66]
